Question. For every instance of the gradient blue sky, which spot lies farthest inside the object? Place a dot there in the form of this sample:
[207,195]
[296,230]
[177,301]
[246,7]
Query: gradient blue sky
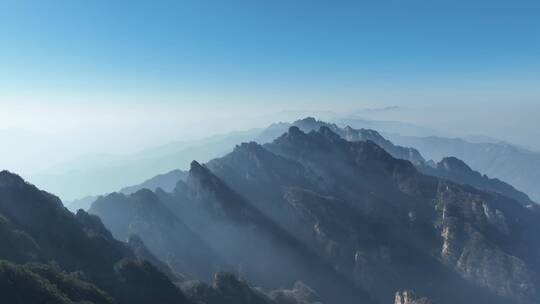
[296,54]
[116,76]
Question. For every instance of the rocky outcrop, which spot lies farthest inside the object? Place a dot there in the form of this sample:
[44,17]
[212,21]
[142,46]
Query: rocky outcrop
[409,297]
[299,294]
[467,250]
[489,267]
[228,289]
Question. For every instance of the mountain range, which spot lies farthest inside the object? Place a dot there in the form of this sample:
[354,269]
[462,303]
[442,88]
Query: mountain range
[167,181]
[312,213]
[97,174]
[450,167]
[518,166]
[50,255]
[344,217]
[93,175]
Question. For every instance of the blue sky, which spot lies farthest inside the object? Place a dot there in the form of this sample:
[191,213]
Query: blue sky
[296,53]
[99,76]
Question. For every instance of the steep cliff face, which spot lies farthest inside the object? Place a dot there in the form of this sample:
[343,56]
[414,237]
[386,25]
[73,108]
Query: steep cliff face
[476,242]
[255,173]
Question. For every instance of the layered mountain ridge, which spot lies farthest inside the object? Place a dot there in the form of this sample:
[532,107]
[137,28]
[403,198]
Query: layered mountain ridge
[380,224]
[50,255]
[517,166]
[341,215]
[168,180]
[89,265]
[450,167]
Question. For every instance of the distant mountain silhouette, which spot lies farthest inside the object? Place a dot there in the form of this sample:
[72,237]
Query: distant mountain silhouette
[166,182]
[101,175]
[456,170]
[517,166]
[466,176]
[311,124]
[96,175]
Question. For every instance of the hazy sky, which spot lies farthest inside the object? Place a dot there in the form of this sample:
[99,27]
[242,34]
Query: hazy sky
[156,69]
[245,51]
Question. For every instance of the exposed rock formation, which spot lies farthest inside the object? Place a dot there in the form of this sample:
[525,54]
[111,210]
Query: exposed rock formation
[409,297]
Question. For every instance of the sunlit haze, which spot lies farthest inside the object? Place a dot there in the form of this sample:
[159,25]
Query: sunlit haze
[98,77]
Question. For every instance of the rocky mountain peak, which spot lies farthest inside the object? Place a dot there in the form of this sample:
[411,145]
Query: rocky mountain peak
[116,197]
[8,179]
[453,164]
[308,120]
[145,195]
[195,166]
[362,134]
[329,134]
[251,149]
[295,131]
[371,132]
[311,124]
[92,224]
[200,175]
